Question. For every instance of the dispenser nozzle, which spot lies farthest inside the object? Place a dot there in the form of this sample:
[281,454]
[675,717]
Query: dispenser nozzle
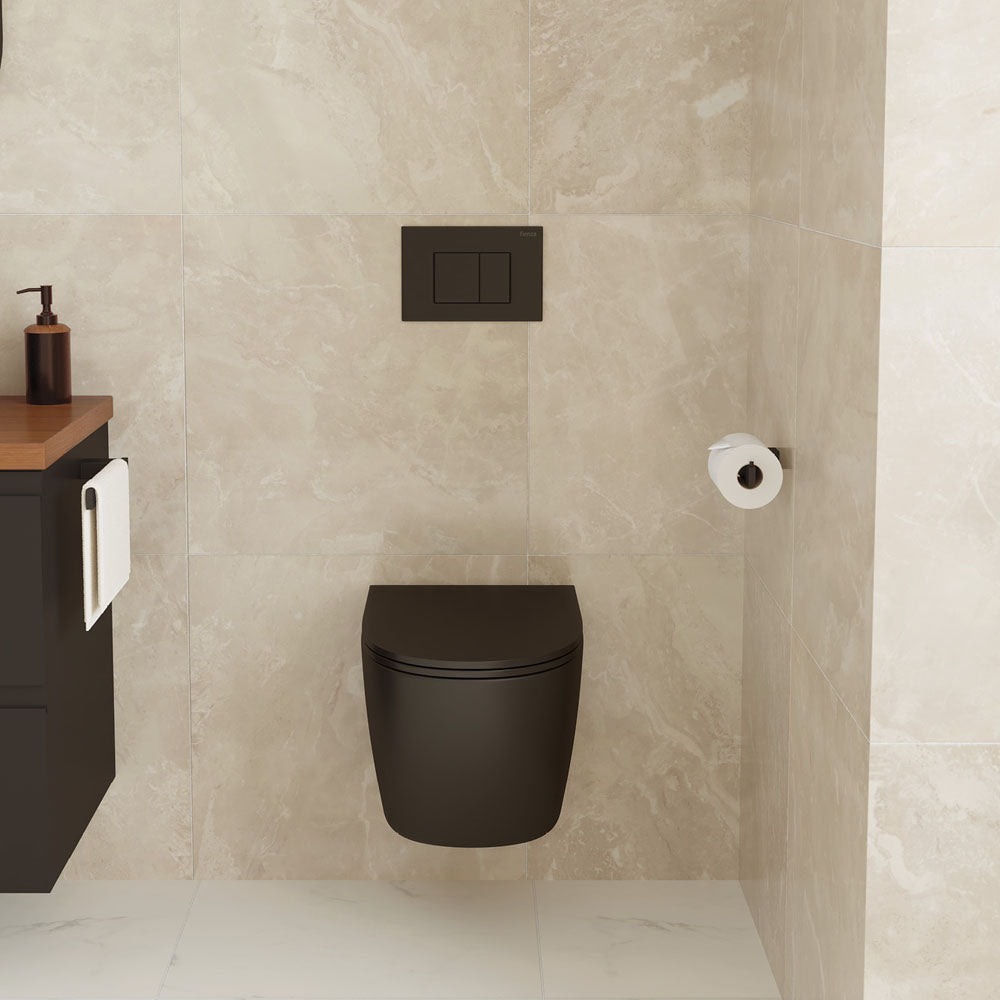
[46,317]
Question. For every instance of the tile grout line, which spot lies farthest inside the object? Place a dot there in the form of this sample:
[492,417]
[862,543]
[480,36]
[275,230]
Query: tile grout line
[507,214]
[187,492]
[832,236]
[538,936]
[177,940]
[933,743]
[683,554]
[786,949]
[529,4]
[334,214]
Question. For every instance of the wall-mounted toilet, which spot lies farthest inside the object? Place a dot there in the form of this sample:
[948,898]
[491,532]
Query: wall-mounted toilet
[472,696]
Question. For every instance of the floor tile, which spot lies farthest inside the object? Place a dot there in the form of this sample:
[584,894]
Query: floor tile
[691,940]
[358,939]
[90,939]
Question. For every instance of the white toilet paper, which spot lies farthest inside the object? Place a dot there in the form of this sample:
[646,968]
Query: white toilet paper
[734,452]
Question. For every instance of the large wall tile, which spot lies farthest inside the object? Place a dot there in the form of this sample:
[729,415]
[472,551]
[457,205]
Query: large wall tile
[284,784]
[937,537]
[382,106]
[319,422]
[933,873]
[653,787]
[143,827]
[835,461]
[843,123]
[942,142]
[772,374]
[640,107]
[117,283]
[88,107]
[639,366]
[827,830]
[777,109]
[764,770]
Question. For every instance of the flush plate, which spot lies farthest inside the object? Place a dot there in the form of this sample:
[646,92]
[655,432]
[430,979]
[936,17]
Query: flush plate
[463,273]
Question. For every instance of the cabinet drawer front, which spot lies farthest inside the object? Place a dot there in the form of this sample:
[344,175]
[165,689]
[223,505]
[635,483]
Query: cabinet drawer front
[24,833]
[21,610]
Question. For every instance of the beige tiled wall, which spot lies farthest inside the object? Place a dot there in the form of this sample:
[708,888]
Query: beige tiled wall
[843,104]
[827,824]
[933,908]
[764,771]
[661,683]
[934,813]
[937,566]
[640,107]
[892,602]
[942,140]
[292,441]
[385,106]
[815,285]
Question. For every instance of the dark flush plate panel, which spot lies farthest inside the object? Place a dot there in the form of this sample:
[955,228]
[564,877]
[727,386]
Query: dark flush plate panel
[463,273]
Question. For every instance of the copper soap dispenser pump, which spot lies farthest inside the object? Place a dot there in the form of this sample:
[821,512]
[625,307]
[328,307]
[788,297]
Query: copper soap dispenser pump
[46,355]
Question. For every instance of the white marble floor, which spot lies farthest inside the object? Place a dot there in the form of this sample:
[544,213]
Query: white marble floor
[381,940]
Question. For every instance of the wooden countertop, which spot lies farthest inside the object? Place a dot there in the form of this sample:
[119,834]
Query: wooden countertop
[33,437]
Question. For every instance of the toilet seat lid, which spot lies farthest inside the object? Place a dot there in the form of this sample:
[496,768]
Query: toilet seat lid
[472,628]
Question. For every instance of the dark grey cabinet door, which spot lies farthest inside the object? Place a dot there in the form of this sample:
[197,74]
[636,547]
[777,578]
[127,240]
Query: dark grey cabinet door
[22,661]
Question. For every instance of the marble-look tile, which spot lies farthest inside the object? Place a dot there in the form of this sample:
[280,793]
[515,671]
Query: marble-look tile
[827,830]
[143,827]
[843,117]
[771,381]
[942,142]
[764,770]
[88,108]
[117,283]
[933,912]
[90,939]
[319,423]
[649,939]
[358,939]
[654,784]
[640,107]
[639,366]
[383,106]
[284,784]
[835,461]
[776,119]
[937,521]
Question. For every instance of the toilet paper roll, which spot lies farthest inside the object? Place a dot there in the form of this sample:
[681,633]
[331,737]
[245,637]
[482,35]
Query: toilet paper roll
[747,473]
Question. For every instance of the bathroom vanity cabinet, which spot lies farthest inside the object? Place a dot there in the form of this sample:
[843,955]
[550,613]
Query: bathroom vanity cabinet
[57,744]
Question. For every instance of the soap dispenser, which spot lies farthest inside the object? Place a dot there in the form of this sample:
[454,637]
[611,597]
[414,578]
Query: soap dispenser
[46,355]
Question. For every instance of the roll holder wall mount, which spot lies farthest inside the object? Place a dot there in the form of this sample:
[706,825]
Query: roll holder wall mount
[750,476]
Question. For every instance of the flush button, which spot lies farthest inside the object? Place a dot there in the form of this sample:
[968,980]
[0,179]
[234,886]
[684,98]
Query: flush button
[494,277]
[456,277]
[469,274]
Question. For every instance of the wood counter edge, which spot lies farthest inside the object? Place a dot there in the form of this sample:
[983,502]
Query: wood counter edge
[18,456]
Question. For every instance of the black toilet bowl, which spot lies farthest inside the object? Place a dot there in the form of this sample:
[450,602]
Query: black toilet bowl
[472,696]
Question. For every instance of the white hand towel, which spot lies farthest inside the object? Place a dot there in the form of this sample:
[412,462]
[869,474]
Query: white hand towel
[107,554]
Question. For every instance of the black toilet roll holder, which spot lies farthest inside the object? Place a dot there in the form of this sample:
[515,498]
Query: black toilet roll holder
[751,476]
